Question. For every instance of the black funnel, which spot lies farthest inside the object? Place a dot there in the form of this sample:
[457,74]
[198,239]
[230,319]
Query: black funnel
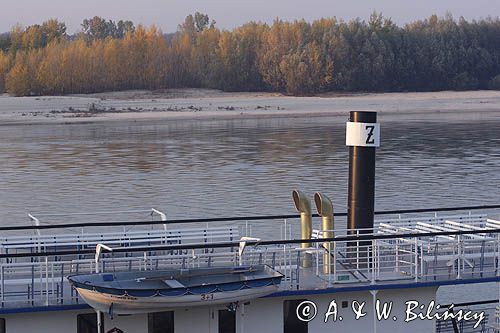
[362,137]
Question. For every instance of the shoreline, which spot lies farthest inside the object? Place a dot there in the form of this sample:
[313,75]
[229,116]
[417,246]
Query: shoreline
[430,115]
[204,104]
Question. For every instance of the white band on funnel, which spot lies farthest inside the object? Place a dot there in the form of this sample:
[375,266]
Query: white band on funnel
[362,134]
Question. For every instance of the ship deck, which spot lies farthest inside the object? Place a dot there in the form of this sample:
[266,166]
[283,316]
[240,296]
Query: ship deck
[400,252]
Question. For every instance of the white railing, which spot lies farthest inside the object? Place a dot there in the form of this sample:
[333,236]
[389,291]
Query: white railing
[44,282]
[37,281]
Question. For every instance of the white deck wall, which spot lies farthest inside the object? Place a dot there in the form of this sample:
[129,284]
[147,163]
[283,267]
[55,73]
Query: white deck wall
[66,322]
[261,315]
[195,320]
[266,315]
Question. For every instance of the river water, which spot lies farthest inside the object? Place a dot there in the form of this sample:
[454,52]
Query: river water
[210,168]
[194,169]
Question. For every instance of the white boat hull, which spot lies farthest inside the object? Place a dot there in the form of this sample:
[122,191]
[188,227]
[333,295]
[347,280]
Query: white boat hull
[133,305]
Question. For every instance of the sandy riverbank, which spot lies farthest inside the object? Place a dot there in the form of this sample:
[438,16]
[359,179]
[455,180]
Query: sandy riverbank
[213,104]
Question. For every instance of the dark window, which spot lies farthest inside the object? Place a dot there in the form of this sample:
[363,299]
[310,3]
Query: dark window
[292,324]
[86,323]
[227,321]
[2,325]
[161,322]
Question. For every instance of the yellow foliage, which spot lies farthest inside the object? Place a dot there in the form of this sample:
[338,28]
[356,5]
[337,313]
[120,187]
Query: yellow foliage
[21,80]
[17,80]
[4,69]
[296,57]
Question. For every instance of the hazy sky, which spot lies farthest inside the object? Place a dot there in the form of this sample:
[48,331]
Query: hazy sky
[229,13]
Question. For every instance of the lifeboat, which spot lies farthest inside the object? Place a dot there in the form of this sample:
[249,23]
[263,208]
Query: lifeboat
[151,291]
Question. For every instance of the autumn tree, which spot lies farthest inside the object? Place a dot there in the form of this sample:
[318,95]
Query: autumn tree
[297,58]
[36,36]
[98,28]
[4,69]
[238,54]
[16,82]
[53,30]
[21,80]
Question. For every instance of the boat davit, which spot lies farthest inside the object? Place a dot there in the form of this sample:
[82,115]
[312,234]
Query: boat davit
[149,291]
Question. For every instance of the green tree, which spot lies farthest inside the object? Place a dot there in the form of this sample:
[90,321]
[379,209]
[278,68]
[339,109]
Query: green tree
[53,30]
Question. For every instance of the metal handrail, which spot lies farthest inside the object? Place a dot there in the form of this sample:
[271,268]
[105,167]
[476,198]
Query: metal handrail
[44,279]
[232,219]
[349,238]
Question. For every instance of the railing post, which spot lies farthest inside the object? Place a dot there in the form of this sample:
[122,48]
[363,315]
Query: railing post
[317,257]
[422,262]
[372,254]
[46,281]
[62,283]
[498,258]
[329,277]
[357,250]
[416,259]
[52,285]
[41,279]
[378,260]
[459,256]
[3,285]
[297,271]
[498,274]
[397,254]
[335,261]
[284,263]
[285,229]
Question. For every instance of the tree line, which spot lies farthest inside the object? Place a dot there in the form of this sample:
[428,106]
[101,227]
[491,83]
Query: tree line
[297,58]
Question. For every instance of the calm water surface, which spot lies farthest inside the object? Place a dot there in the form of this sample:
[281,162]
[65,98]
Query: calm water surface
[239,167]
[195,169]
